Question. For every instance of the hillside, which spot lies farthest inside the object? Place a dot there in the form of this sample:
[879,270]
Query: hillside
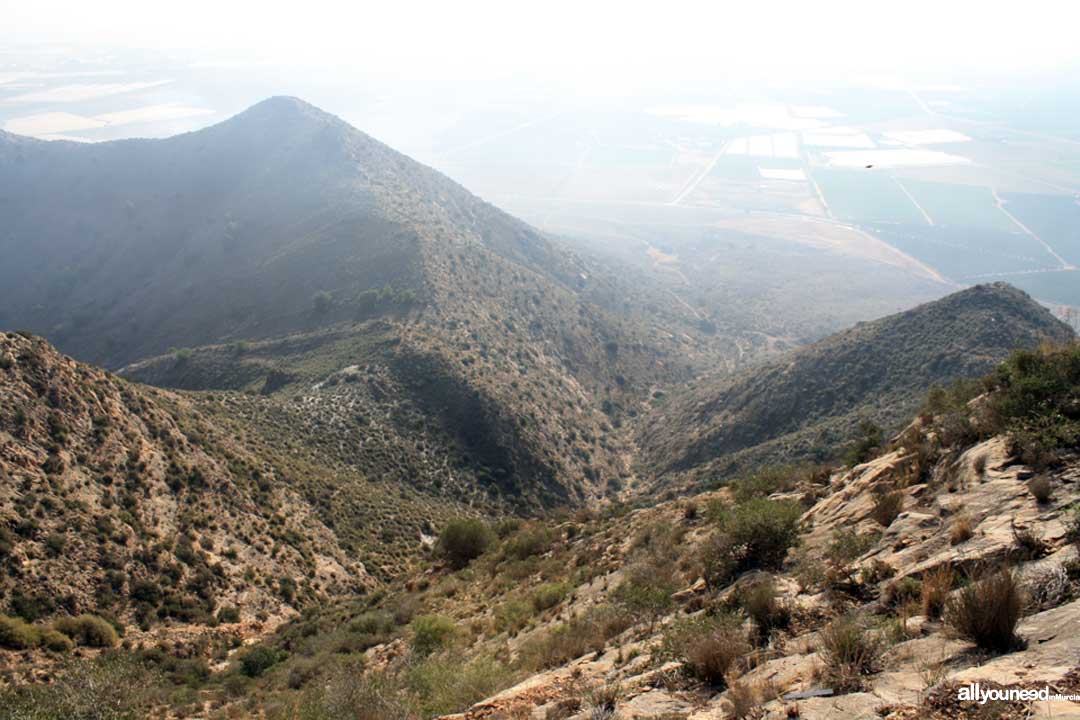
[950,557]
[807,404]
[281,248]
[127,501]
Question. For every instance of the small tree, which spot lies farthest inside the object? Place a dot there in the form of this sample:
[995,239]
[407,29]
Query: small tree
[321,301]
[463,540]
[870,438]
[258,660]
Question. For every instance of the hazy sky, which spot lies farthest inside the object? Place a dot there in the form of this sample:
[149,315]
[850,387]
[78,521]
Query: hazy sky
[576,41]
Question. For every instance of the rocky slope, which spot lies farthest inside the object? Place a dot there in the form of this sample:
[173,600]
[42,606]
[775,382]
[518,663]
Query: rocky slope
[128,501]
[814,594]
[868,591]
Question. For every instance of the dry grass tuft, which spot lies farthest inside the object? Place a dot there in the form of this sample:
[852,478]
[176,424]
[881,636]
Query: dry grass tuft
[986,612]
[936,586]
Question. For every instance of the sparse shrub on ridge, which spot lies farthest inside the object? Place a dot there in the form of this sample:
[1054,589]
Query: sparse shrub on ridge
[869,440]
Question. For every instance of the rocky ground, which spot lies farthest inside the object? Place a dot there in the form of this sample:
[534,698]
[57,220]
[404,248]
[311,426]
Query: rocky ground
[924,660]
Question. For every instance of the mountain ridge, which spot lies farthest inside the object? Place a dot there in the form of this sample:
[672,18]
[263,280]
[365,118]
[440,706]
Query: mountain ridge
[816,396]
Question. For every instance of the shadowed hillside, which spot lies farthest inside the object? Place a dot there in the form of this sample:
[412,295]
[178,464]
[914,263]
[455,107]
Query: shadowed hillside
[285,248]
[808,404]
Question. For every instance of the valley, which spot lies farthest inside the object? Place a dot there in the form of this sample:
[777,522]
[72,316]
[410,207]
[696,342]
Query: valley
[294,426]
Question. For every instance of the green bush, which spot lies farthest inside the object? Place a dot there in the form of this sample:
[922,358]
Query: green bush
[527,543]
[32,607]
[765,481]
[754,534]
[463,540]
[847,545]
[549,595]
[432,632]
[513,615]
[646,589]
[445,684]
[869,440]
[373,622]
[56,641]
[17,634]
[1036,398]
[258,660]
[321,301]
[88,630]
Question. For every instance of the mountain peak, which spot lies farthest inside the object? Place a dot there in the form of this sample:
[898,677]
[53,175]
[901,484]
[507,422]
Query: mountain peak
[284,113]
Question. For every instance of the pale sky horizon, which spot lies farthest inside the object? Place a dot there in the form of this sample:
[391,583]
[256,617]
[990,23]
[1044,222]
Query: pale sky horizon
[577,42]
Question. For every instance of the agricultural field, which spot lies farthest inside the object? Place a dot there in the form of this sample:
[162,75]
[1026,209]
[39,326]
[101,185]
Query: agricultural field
[1054,218]
[965,255]
[866,197]
[1059,286]
[964,206]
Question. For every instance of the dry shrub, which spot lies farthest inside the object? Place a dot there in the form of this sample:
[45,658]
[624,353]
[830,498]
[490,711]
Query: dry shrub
[904,591]
[1028,544]
[936,586]
[710,657]
[850,653]
[563,709]
[887,505]
[582,635]
[603,700]
[1046,588]
[979,465]
[352,694]
[758,598]
[1041,489]
[986,611]
[709,648]
[745,699]
[962,529]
